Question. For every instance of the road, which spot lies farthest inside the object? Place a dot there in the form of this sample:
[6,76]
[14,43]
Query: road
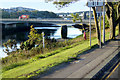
[115,74]
[86,66]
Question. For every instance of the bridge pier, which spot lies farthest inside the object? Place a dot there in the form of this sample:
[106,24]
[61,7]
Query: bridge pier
[64,31]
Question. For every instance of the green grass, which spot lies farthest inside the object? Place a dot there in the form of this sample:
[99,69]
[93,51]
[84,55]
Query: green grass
[48,62]
[13,66]
[37,57]
[36,67]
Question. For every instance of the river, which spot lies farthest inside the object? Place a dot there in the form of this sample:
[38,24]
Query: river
[52,32]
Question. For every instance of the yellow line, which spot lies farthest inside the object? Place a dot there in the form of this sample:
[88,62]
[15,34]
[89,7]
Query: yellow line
[106,74]
[108,70]
[113,71]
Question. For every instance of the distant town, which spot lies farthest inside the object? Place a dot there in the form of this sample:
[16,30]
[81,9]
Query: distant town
[23,10]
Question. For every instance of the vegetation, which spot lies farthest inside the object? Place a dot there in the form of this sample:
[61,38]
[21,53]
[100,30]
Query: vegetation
[113,16]
[34,39]
[42,62]
[32,47]
[10,45]
[33,60]
[33,14]
[28,55]
[106,22]
[112,12]
[76,17]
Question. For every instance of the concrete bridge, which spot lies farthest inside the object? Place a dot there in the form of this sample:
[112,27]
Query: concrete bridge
[24,24]
[55,21]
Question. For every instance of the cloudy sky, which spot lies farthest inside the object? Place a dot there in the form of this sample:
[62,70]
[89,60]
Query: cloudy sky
[42,6]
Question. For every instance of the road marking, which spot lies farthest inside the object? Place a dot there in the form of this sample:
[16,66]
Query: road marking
[113,71]
[110,69]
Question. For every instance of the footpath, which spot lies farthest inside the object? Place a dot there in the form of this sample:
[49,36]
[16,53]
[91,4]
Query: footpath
[88,64]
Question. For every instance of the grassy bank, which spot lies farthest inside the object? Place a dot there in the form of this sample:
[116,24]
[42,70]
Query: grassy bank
[44,64]
[41,63]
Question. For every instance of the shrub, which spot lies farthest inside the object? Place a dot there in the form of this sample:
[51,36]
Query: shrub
[34,39]
[10,46]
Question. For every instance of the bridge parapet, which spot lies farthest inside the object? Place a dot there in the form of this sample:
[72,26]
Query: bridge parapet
[44,20]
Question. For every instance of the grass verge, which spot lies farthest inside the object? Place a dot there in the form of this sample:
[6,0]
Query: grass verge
[39,66]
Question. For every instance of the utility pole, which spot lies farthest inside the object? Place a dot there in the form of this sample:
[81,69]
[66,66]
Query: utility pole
[103,21]
[90,25]
[100,28]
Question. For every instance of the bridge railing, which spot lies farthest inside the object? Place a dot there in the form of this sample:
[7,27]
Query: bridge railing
[46,20]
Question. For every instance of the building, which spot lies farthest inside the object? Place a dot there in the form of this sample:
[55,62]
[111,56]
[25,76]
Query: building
[82,14]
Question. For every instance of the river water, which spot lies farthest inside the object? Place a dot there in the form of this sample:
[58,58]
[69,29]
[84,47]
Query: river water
[52,32]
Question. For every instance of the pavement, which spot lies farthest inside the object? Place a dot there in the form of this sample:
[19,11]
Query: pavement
[87,64]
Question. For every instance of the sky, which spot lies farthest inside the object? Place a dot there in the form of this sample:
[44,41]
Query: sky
[42,6]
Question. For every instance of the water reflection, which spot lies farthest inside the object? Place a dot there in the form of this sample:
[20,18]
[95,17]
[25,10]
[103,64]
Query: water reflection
[49,31]
[19,37]
[55,32]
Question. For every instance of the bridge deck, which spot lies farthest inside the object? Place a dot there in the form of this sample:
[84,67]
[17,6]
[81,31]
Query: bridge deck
[51,21]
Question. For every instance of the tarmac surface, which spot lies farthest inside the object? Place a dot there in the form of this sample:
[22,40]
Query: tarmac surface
[115,74]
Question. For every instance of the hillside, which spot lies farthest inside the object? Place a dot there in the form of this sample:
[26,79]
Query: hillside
[33,13]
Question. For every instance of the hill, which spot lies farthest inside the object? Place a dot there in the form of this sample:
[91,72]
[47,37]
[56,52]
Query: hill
[15,13]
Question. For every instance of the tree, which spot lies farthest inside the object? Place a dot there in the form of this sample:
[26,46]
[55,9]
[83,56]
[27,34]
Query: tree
[34,39]
[33,14]
[5,14]
[118,15]
[62,4]
[96,25]
[76,17]
[111,15]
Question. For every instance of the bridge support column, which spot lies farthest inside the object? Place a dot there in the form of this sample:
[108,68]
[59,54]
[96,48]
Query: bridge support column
[64,31]
[84,15]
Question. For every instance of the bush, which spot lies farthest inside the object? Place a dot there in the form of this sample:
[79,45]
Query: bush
[10,46]
[34,39]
